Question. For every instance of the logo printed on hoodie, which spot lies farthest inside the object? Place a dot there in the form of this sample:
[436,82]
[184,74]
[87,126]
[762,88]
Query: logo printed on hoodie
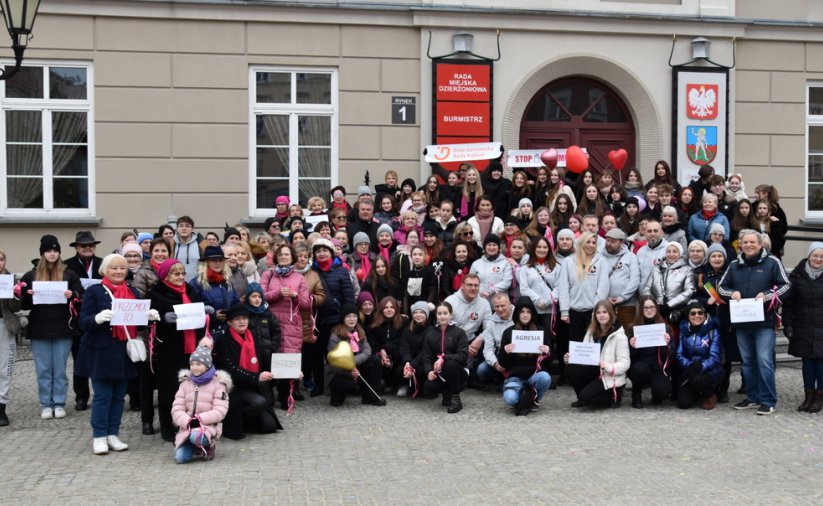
[473,316]
[496,269]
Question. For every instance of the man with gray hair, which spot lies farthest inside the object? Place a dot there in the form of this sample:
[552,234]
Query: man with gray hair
[624,275]
[756,274]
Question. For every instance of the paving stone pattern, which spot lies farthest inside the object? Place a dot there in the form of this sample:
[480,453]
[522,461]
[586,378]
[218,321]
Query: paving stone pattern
[413,452]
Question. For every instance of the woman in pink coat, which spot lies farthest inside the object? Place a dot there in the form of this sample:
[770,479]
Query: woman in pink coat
[287,294]
[199,407]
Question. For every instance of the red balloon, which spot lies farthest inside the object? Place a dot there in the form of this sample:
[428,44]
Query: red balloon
[618,158]
[576,160]
[549,158]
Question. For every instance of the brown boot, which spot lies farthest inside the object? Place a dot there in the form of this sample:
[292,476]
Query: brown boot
[817,403]
[807,401]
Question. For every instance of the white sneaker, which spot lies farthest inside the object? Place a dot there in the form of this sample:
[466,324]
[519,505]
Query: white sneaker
[47,414]
[100,446]
[115,444]
[403,391]
[59,412]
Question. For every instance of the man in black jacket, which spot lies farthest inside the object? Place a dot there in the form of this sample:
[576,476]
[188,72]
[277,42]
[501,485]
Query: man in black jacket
[364,223]
[87,266]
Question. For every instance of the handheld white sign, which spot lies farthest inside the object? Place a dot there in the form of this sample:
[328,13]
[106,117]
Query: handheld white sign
[190,316]
[746,310]
[649,336]
[527,341]
[6,286]
[130,311]
[285,365]
[584,353]
[49,292]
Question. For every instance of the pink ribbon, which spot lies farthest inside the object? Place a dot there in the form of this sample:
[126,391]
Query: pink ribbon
[152,335]
[774,304]
[290,400]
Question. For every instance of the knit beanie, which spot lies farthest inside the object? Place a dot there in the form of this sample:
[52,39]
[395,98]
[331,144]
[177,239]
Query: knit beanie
[720,249]
[49,242]
[524,201]
[254,287]
[566,233]
[491,238]
[633,200]
[717,227]
[360,238]
[202,355]
[230,231]
[364,297]
[130,247]
[165,267]
[813,246]
[145,236]
[384,228]
[676,245]
[363,190]
[702,245]
[420,306]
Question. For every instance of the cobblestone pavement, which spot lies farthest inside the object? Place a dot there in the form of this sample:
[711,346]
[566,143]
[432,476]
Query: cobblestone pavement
[413,452]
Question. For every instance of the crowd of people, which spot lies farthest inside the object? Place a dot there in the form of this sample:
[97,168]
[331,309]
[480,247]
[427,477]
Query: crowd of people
[431,288]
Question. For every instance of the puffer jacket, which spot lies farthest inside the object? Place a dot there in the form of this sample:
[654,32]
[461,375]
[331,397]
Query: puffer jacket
[614,351]
[671,285]
[219,297]
[704,345]
[287,309]
[339,291]
[317,296]
[145,279]
[801,313]
[699,226]
[267,329]
[209,401]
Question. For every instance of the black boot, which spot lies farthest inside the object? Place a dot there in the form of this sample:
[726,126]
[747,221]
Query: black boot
[456,405]
[637,399]
[447,399]
[148,428]
[4,420]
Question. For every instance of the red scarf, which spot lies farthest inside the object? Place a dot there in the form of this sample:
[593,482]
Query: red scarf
[384,252]
[365,266]
[189,336]
[325,265]
[214,277]
[121,291]
[457,280]
[708,215]
[270,259]
[154,265]
[248,354]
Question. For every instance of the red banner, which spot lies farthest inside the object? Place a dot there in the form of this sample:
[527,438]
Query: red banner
[463,118]
[464,83]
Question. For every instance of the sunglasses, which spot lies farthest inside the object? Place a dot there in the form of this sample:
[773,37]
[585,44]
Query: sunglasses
[468,233]
[696,313]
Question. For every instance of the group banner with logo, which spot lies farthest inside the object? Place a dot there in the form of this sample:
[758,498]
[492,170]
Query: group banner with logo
[700,134]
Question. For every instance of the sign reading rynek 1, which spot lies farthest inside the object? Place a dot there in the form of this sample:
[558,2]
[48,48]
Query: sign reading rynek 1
[462,103]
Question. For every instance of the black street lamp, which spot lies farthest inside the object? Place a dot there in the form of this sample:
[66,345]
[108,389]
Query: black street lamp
[19,16]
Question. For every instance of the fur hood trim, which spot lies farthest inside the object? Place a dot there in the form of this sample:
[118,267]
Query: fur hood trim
[222,376]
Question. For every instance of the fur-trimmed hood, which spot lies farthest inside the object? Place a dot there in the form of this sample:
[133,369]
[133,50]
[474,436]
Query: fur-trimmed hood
[222,376]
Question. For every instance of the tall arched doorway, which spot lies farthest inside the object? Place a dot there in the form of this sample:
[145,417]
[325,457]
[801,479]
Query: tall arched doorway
[579,111]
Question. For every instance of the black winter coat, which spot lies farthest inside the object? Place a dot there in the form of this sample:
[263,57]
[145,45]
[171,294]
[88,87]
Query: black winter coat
[168,347]
[455,346]
[339,291]
[267,329]
[227,358]
[101,356]
[411,346]
[802,312]
[48,321]
[385,336]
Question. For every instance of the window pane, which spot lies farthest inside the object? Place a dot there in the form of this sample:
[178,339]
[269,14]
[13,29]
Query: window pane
[24,160]
[606,111]
[67,83]
[816,197]
[272,162]
[274,87]
[314,130]
[546,109]
[314,162]
[270,189]
[815,100]
[25,192]
[816,139]
[71,193]
[272,130]
[311,187]
[28,83]
[313,88]
[71,161]
[816,168]
[24,126]
[69,127]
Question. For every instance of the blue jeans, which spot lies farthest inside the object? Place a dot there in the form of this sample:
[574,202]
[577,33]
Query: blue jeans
[488,374]
[813,373]
[107,406]
[50,357]
[186,451]
[757,351]
[512,386]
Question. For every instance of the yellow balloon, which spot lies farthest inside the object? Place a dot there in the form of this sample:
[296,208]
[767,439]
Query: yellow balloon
[341,356]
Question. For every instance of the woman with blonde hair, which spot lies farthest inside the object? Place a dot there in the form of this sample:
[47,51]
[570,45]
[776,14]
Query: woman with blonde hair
[472,191]
[50,327]
[213,284]
[584,280]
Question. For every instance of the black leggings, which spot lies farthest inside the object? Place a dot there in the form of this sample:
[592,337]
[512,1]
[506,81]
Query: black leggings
[314,356]
[455,379]
[585,379]
[646,372]
[341,385]
[579,322]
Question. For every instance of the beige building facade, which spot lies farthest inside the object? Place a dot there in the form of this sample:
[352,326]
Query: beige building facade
[151,109]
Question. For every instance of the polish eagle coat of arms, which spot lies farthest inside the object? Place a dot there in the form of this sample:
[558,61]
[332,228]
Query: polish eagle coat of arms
[702,100]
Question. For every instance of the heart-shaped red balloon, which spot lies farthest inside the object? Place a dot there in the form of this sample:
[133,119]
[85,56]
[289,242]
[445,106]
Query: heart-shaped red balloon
[576,160]
[618,158]
[549,158]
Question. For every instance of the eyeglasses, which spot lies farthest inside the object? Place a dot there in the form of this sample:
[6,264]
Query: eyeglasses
[468,233]
[696,313]
[816,257]
[132,256]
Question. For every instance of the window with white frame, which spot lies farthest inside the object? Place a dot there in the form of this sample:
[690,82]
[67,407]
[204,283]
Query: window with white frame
[293,135]
[47,141]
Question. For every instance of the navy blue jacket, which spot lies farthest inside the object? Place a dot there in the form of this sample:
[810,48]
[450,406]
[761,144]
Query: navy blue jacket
[703,345]
[101,356]
[219,297]
[339,291]
[763,274]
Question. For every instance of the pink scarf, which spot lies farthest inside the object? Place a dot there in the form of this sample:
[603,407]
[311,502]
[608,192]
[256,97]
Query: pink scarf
[365,265]
[485,221]
[354,341]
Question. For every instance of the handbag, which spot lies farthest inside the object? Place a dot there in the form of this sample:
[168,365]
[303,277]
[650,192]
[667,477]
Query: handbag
[135,348]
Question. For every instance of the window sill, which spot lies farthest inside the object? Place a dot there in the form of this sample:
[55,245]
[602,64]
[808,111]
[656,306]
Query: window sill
[48,220]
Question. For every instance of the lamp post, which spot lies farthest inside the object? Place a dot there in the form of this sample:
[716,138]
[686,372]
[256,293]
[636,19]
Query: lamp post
[19,17]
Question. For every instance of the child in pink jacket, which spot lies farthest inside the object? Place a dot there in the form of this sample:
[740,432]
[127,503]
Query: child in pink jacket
[200,405]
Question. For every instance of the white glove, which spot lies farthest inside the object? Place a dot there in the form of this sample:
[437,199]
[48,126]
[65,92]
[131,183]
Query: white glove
[153,315]
[103,316]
